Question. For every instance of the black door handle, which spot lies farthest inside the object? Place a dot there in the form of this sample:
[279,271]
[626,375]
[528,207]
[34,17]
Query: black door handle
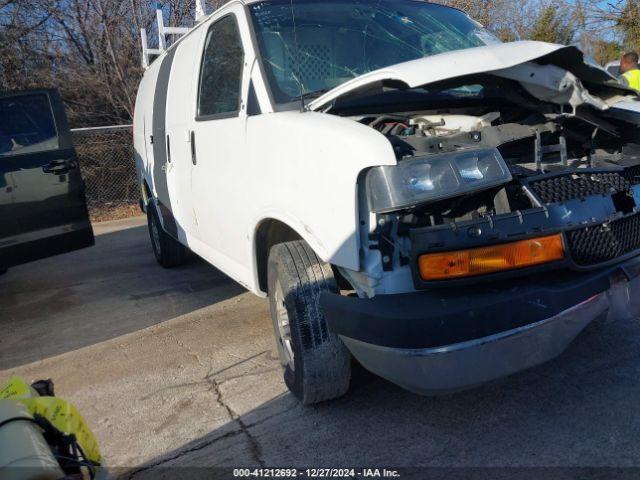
[194,160]
[58,166]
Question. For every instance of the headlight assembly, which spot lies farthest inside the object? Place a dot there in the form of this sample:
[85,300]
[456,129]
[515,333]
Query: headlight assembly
[434,177]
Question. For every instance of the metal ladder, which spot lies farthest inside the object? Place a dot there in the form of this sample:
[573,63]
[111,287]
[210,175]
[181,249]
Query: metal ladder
[163,32]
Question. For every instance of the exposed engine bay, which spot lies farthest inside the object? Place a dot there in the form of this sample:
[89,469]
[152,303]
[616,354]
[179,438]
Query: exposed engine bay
[536,142]
[574,171]
[533,145]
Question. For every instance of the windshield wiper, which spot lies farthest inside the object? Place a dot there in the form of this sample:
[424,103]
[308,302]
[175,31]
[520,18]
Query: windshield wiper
[311,95]
[314,94]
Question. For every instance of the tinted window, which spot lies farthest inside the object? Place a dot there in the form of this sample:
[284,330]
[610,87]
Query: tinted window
[26,125]
[314,45]
[221,71]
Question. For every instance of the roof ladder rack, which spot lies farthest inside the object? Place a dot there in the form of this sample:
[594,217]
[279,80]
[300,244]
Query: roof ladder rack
[163,32]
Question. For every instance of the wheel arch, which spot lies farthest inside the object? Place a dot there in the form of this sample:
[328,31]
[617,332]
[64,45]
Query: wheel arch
[270,231]
[145,192]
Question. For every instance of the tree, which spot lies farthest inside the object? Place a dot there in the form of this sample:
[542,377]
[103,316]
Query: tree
[615,21]
[481,10]
[553,26]
[88,49]
[510,20]
[21,63]
[604,51]
[628,22]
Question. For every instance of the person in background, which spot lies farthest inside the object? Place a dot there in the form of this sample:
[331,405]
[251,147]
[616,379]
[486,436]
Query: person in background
[629,72]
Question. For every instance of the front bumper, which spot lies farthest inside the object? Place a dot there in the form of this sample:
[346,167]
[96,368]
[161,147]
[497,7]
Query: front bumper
[436,342]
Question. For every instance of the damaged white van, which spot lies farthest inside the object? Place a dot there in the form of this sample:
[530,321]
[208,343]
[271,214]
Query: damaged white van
[407,190]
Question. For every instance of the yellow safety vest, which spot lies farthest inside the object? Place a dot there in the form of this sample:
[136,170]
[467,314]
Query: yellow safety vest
[633,77]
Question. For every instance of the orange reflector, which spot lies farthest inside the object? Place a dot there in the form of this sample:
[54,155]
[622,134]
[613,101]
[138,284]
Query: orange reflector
[496,258]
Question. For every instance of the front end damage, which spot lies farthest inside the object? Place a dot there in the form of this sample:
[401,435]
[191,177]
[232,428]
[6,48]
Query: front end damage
[434,342]
[511,221]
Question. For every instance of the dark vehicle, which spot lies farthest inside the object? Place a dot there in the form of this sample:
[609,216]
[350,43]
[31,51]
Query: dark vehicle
[43,210]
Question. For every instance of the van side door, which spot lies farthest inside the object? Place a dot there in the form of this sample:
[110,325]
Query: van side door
[218,142]
[183,83]
[46,213]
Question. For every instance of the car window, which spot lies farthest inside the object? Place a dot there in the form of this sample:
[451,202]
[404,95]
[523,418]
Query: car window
[314,45]
[27,125]
[221,70]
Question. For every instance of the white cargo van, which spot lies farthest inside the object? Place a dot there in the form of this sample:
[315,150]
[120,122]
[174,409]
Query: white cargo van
[405,189]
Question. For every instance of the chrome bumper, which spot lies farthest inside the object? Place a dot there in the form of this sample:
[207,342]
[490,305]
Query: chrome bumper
[463,365]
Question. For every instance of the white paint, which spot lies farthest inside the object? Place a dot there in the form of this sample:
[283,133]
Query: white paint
[201,10]
[146,51]
[507,60]
[143,111]
[444,66]
[300,168]
[552,84]
[183,83]
[629,105]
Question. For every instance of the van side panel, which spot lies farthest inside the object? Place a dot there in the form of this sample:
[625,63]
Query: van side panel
[159,129]
[142,127]
[180,112]
[299,168]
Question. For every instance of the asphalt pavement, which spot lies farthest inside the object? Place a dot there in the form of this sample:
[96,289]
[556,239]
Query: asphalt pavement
[177,368]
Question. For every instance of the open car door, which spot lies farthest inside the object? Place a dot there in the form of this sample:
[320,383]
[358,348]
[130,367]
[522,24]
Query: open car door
[43,209]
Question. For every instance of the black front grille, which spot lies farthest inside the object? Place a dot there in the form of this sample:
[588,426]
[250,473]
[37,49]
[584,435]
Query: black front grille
[579,185]
[601,243]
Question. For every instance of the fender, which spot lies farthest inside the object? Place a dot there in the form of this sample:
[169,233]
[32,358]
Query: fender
[295,224]
[312,163]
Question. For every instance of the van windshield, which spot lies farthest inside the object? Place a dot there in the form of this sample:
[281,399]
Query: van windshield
[311,46]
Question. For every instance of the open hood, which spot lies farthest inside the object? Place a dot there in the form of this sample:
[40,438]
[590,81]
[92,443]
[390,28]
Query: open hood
[557,76]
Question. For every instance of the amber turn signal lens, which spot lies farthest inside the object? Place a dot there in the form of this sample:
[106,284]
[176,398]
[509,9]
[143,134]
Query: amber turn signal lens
[496,258]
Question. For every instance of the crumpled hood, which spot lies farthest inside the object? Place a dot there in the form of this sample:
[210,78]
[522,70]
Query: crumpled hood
[559,80]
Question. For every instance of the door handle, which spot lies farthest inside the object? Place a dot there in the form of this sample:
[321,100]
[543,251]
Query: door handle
[58,166]
[194,160]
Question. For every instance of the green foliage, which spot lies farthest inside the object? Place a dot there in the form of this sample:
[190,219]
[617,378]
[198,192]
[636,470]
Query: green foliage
[554,26]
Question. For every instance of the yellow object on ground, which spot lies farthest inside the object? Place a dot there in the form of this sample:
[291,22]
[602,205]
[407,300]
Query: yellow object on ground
[62,414]
[633,77]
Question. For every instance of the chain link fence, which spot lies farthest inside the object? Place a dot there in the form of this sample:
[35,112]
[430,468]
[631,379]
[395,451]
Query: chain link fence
[108,168]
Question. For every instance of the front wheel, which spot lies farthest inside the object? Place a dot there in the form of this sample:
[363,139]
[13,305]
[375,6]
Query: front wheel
[167,250]
[316,364]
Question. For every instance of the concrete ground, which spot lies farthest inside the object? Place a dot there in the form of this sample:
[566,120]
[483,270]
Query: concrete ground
[176,368]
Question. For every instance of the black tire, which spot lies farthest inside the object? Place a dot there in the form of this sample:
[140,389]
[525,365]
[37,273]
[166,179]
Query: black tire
[317,365]
[3,271]
[168,251]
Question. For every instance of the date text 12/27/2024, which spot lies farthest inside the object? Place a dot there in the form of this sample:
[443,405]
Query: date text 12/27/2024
[315,473]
